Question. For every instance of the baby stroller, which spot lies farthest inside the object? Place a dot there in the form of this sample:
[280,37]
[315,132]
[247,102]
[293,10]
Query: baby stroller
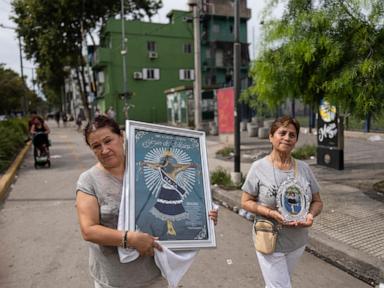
[41,150]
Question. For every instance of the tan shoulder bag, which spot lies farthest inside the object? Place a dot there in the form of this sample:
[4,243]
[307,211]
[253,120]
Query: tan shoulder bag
[265,236]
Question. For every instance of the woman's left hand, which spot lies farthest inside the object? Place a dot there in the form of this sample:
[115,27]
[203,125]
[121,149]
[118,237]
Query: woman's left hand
[307,223]
[214,215]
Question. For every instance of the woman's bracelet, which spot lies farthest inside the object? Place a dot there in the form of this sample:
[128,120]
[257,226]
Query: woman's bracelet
[124,242]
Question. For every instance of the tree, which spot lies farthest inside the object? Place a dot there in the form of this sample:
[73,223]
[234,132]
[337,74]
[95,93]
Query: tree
[330,49]
[12,91]
[53,33]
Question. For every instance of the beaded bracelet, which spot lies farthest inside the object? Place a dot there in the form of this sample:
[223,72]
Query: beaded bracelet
[124,243]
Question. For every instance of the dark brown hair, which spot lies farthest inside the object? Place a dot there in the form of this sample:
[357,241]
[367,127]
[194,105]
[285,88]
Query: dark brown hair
[101,121]
[284,121]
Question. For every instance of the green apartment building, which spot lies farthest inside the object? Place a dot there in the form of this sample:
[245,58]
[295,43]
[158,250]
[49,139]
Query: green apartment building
[158,57]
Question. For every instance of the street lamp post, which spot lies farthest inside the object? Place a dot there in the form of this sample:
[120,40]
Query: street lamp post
[195,5]
[25,104]
[236,67]
[123,54]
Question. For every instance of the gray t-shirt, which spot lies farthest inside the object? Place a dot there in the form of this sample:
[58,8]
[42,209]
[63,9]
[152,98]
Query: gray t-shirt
[104,262]
[263,182]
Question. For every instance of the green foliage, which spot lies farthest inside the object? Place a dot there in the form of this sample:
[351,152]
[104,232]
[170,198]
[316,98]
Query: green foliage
[12,91]
[221,177]
[330,49]
[304,152]
[13,135]
[226,151]
[379,186]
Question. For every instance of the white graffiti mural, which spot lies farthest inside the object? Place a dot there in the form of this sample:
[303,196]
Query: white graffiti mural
[327,131]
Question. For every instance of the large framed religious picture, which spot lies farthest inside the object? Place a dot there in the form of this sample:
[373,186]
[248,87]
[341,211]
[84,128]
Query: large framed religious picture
[168,185]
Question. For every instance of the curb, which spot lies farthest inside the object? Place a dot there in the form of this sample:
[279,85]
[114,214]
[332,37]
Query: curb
[9,175]
[350,260]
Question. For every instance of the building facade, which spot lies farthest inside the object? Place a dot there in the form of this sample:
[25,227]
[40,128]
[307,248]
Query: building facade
[217,37]
[158,57]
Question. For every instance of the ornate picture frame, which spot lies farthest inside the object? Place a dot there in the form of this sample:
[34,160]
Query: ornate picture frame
[168,185]
[292,200]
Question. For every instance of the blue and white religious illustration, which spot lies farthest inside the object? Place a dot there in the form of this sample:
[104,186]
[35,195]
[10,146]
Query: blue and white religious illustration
[170,203]
[292,200]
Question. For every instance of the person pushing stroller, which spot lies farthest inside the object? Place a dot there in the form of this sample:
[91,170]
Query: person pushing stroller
[39,132]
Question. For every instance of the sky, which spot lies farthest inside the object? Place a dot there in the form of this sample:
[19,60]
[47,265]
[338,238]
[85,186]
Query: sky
[9,49]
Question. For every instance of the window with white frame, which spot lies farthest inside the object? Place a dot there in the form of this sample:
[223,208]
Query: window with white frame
[186,74]
[151,73]
[100,76]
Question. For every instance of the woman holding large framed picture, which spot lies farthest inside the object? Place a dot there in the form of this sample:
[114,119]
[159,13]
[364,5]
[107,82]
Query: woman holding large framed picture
[98,199]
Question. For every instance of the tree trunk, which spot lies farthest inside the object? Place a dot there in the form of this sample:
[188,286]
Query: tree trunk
[84,98]
[87,110]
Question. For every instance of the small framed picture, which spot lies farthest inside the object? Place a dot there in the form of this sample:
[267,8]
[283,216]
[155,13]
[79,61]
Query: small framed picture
[169,193]
[292,200]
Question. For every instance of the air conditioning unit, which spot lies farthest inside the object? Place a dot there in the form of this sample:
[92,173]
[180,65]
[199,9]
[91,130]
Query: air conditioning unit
[152,54]
[137,75]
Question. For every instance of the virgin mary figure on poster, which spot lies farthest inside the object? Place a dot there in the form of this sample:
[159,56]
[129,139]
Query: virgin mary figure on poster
[170,175]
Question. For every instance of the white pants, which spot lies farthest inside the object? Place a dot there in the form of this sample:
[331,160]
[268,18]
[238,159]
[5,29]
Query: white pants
[277,267]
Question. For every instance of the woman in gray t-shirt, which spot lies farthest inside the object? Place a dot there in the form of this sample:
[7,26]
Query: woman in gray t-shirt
[266,177]
[98,196]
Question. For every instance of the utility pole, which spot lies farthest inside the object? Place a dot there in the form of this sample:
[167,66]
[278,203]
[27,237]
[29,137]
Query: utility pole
[123,54]
[195,5]
[25,102]
[236,67]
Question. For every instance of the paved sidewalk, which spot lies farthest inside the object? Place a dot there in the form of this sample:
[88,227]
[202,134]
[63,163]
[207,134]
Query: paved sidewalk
[350,230]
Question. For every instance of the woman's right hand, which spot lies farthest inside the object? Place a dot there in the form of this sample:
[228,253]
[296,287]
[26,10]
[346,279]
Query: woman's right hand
[143,243]
[274,214]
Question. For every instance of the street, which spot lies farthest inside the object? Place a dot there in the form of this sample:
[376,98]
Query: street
[41,245]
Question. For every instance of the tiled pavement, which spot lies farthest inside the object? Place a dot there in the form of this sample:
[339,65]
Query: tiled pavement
[350,230]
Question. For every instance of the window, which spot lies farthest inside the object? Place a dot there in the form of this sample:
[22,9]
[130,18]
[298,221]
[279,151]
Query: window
[219,58]
[151,73]
[100,76]
[187,48]
[210,80]
[208,53]
[186,74]
[215,28]
[151,46]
